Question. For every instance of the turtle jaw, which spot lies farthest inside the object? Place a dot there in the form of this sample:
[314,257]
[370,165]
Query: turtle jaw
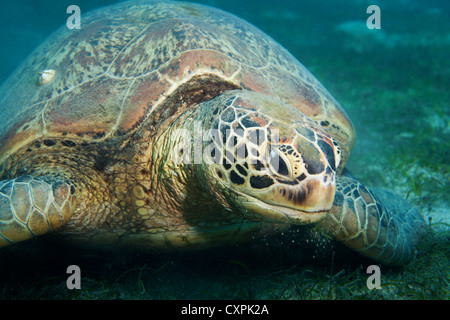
[261,210]
[302,204]
[277,214]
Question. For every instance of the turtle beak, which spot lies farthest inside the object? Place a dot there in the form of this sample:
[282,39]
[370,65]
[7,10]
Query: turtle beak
[305,202]
[265,211]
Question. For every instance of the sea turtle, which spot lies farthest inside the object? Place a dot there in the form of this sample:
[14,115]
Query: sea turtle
[176,125]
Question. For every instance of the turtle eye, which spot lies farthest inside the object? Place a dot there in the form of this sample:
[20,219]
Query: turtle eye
[278,164]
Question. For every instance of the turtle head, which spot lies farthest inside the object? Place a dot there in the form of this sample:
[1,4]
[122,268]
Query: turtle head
[267,158]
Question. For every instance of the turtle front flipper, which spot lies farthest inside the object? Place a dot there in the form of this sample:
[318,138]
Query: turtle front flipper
[33,206]
[387,231]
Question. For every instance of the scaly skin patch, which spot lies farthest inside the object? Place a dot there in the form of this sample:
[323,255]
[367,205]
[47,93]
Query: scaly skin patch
[387,231]
[30,207]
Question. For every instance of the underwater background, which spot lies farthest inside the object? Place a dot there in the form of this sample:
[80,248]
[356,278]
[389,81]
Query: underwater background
[394,83]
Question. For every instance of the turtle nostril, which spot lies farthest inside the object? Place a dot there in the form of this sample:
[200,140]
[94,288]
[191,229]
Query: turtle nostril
[278,164]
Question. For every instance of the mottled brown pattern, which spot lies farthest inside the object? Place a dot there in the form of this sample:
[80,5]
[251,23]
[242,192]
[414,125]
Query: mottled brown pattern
[31,207]
[134,41]
[87,109]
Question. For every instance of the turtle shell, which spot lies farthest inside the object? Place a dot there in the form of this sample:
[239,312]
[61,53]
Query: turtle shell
[126,62]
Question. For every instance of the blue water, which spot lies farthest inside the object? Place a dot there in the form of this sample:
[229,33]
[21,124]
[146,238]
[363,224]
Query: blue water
[394,84]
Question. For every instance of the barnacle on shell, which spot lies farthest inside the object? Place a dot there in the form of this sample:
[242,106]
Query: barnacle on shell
[46,76]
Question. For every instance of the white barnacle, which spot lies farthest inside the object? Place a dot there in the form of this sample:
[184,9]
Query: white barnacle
[46,76]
